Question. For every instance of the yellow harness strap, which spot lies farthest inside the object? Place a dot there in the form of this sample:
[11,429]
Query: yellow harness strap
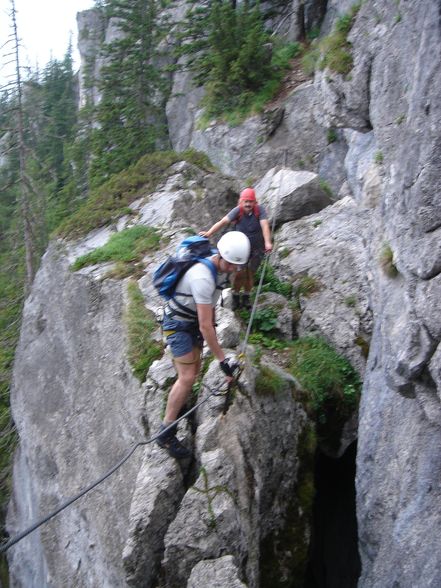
[167,333]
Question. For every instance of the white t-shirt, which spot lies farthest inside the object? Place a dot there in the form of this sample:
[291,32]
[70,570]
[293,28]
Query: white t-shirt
[198,287]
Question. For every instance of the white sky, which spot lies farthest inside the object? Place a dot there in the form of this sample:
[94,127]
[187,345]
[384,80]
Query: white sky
[44,27]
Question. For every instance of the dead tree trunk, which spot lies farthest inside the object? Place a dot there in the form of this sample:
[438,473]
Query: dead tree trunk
[25,190]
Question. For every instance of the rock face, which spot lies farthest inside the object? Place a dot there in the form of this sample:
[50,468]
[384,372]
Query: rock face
[365,265]
[76,376]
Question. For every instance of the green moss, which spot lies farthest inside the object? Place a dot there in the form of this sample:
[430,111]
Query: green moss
[284,252]
[141,323]
[269,382]
[128,246]
[211,492]
[111,200]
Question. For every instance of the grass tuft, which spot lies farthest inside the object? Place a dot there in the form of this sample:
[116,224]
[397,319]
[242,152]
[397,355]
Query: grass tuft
[128,246]
[326,377]
[141,323]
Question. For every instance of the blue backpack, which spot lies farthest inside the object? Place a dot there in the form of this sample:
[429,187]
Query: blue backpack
[190,251]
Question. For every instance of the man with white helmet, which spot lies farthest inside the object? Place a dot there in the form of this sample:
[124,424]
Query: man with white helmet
[188,321]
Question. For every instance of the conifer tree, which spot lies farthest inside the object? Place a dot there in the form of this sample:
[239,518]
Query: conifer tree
[130,115]
[227,49]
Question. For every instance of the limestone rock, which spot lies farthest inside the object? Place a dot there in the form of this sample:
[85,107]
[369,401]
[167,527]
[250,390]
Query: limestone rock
[216,573]
[290,195]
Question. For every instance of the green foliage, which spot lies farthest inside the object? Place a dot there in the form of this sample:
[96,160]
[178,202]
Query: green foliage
[271,283]
[331,135]
[386,260]
[11,301]
[233,56]
[265,319]
[351,300]
[334,50]
[111,200]
[259,339]
[326,377]
[306,286]
[326,187]
[131,119]
[379,157]
[268,381]
[141,323]
[129,245]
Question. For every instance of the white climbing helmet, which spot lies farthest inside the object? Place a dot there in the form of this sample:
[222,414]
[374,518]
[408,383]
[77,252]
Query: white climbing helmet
[234,247]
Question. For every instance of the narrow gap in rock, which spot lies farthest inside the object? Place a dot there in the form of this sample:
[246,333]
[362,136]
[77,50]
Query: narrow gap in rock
[334,560]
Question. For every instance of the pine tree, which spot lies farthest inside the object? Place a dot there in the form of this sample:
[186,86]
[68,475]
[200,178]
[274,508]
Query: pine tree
[227,49]
[130,115]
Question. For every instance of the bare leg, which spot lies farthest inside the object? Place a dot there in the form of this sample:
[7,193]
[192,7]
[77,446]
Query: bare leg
[187,366]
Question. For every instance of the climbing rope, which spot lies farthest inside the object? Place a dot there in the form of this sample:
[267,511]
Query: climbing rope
[45,519]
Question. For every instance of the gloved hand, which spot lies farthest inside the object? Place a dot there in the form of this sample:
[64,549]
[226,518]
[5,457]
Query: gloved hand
[229,365]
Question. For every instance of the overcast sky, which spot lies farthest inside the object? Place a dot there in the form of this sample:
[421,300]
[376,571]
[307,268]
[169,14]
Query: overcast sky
[44,27]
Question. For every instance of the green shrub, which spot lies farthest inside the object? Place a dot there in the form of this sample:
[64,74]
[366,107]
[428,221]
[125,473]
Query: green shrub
[127,246]
[265,319]
[351,300]
[141,323]
[326,377]
[271,283]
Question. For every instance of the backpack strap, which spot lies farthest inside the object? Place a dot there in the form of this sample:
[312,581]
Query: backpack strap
[182,310]
[210,265]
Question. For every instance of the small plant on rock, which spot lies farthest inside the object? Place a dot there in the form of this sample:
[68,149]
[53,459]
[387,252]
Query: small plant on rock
[271,283]
[128,247]
[387,261]
[141,323]
[326,377]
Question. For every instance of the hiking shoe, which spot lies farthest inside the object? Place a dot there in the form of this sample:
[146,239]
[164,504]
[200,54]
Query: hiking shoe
[246,302]
[236,302]
[171,443]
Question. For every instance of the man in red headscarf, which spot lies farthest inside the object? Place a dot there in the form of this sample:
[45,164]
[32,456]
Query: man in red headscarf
[250,218]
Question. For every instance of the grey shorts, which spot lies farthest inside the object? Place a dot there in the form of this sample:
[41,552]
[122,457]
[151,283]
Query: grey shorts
[182,336]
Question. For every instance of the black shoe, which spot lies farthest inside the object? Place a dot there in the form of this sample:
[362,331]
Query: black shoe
[246,302]
[236,302]
[169,441]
